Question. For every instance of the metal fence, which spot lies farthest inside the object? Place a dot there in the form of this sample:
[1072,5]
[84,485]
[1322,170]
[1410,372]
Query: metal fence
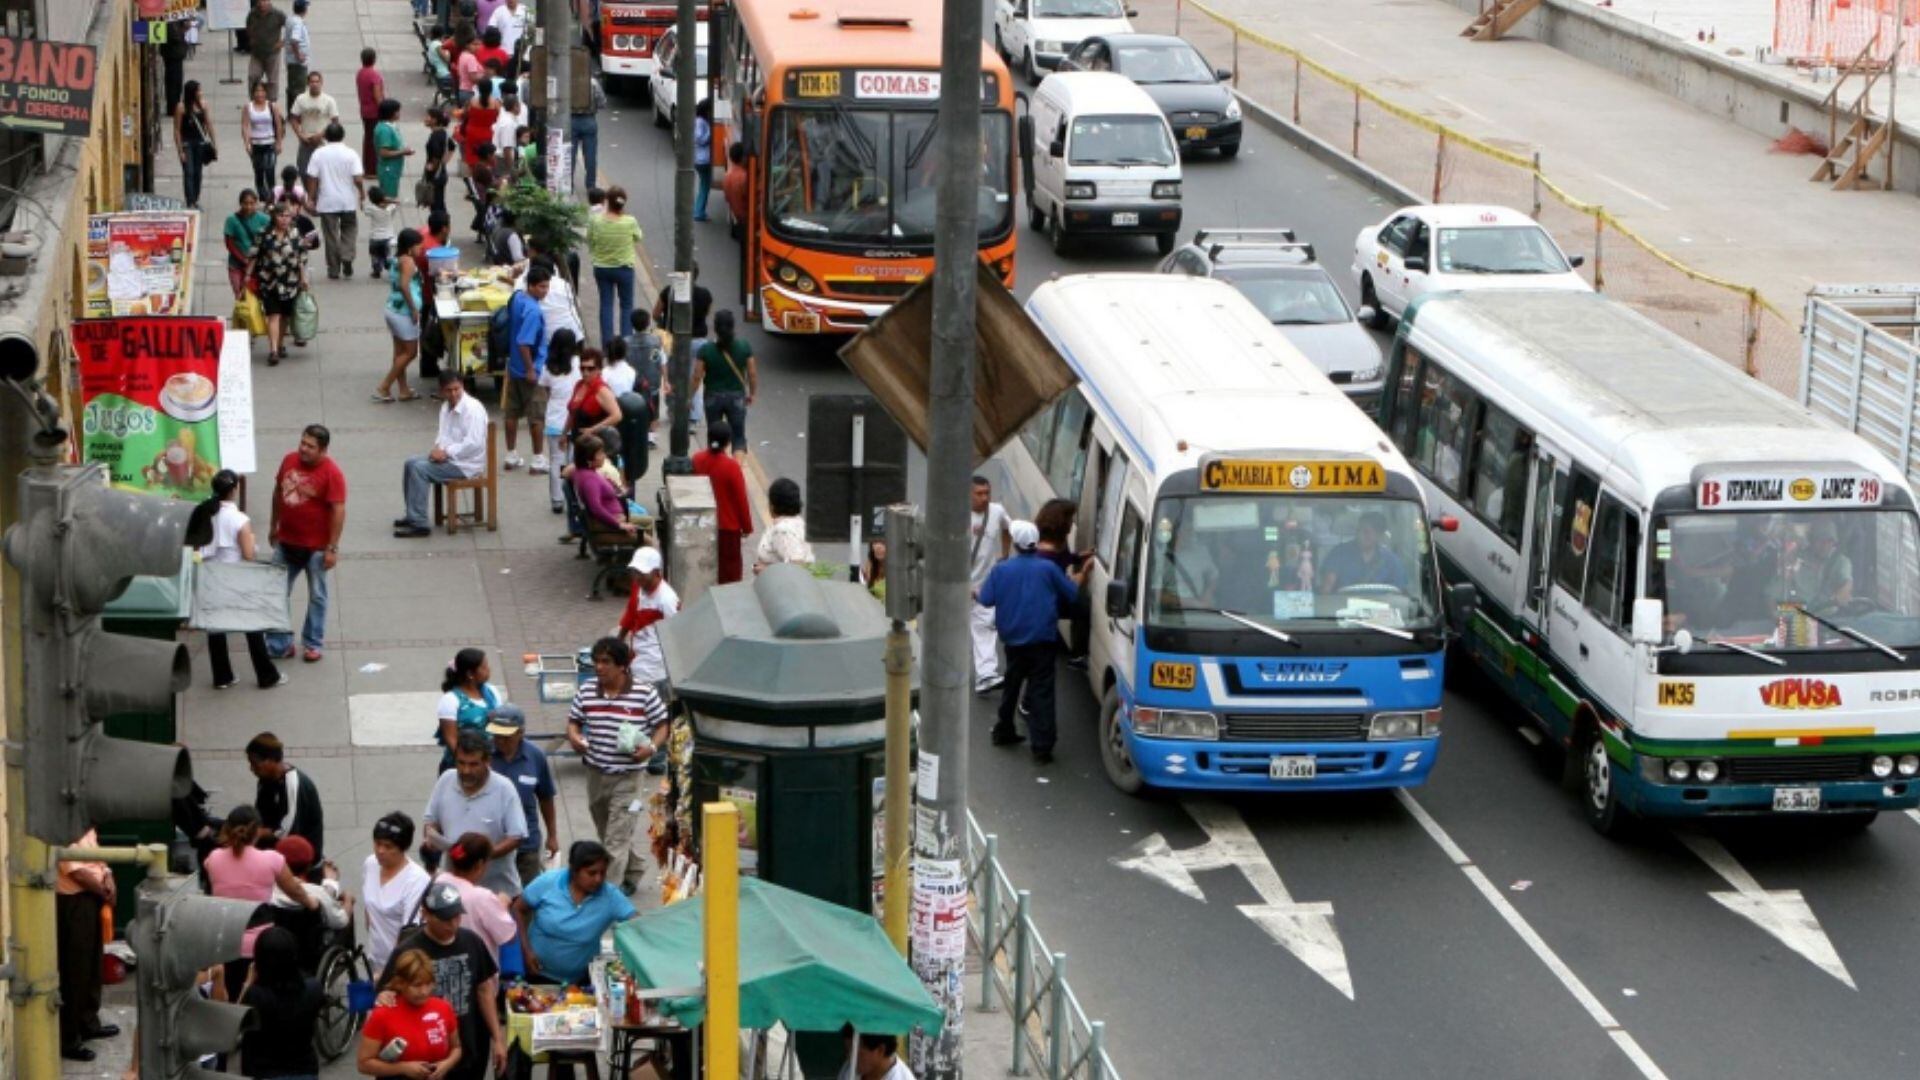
[1018,973]
[1860,365]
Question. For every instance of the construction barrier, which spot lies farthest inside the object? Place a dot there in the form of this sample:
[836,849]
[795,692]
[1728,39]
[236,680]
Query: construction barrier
[1832,32]
[1436,161]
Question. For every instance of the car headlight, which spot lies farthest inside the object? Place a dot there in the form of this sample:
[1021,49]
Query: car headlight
[1079,189]
[1175,724]
[1166,189]
[1367,375]
[1882,767]
[1909,764]
[1233,107]
[1388,726]
[1052,46]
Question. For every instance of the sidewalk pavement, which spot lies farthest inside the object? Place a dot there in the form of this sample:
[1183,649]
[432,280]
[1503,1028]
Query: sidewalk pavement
[360,722]
[1708,192]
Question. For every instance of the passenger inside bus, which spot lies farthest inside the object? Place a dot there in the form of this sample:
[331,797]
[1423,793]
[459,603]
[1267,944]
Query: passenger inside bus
[1364,560]
[1821,577]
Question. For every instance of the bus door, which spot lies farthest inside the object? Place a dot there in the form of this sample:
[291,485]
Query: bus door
[1527,667]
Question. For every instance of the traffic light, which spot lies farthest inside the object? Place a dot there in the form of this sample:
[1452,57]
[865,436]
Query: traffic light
[177,934]
[906,563]
[77,544]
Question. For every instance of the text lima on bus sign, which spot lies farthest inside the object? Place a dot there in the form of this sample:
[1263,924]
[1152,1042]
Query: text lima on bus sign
[1241,474]
[1786,490]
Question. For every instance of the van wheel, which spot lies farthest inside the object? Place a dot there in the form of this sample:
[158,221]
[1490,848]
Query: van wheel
[1113,746]
[1056,233]
[1000,46]
[1368,298]
[1164,242]
[1036,217]
[660,117]
[1600,786]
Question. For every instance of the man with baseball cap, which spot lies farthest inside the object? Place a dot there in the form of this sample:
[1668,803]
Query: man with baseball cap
[1029,596]
[524,765]
[651,601]
[464,975]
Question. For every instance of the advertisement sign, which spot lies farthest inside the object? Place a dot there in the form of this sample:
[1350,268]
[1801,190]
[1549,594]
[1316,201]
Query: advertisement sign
[227,14]
[140,263]
[47,86]
[150,393]
[747,801]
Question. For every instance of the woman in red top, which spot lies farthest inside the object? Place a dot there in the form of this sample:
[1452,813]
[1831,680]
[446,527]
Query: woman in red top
[593,405]
[474,122]
[420,1025]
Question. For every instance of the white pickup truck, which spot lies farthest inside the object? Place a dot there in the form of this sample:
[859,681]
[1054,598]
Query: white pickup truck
[1034,35]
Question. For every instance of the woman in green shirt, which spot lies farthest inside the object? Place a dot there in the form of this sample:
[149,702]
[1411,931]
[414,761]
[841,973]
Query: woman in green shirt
[242,232]
[391,149]
[726,377]
[613,243]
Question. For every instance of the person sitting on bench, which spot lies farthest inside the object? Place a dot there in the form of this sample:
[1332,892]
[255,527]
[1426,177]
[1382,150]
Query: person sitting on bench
[598,496]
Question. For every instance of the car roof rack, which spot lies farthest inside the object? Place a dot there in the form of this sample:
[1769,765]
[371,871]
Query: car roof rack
[1217,240]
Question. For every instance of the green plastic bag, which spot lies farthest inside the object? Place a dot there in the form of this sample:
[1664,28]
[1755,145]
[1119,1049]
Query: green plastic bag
[306,316]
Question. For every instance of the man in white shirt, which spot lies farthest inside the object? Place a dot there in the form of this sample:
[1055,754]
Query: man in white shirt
[337,188]
[877,1057]
[459,453]
[511,19]
[652,601]
[987,543]
[310,113]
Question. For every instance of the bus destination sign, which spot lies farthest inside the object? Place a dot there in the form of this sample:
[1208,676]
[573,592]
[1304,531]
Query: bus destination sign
[1787,490]
[1314,477]
[863,85]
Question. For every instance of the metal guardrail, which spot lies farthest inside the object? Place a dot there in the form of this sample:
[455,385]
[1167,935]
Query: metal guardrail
[1020,974]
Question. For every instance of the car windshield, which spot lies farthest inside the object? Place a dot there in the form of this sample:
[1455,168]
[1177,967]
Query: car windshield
[1146,64]
[868,175]
[1078,9]
[1302,296]
[1499,249]
[1120,140]
[1744,577]
[1292,562]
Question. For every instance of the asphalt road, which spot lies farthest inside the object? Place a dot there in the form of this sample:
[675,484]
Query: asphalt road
[1482,929]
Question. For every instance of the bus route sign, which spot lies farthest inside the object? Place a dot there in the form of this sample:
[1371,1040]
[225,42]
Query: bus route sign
[1315,477]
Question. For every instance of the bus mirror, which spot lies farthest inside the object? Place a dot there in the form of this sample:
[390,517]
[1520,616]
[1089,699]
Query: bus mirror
[1577,261]
[750,132]
[1649,618]
[1462,599]
[1119,599]
[1447,523]
[1026,154]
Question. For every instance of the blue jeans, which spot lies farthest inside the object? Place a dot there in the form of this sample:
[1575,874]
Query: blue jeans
[194,166]
[614,280]
[417,478]
[586,139]
[704,174]
[313,563]
[730,405]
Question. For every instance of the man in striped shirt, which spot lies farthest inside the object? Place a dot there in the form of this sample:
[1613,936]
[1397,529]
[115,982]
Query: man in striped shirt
[606,703]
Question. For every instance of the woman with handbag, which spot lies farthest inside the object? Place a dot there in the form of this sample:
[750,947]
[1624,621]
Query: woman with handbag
[193,134]
[279,270]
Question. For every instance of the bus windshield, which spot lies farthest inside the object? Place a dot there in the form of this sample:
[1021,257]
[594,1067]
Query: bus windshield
[867,175]
[1292,562]
[1743,577]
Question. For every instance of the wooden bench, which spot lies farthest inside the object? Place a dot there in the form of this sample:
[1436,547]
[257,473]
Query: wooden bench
[485,488]
[611,550]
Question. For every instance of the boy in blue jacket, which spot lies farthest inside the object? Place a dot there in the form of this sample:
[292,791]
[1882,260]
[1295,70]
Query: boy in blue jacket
[1029,595]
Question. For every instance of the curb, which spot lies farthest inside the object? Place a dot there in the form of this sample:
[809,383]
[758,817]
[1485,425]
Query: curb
[1327,153]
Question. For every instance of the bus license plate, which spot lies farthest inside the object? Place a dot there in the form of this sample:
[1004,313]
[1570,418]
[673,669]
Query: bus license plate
[1796,800]
[1293,768]
[1196,134]
[802,322]
[1126,218]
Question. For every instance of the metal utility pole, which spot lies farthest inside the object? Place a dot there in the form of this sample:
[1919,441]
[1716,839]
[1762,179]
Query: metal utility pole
[680,314]
[556,29]
[946,666]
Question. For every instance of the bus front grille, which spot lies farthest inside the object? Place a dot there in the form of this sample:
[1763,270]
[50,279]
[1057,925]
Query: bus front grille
[887,290]
[1794,768]
[1293,727]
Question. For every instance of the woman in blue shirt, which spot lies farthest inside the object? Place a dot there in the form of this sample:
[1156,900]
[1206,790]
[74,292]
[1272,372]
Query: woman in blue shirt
[563,914]
[702,155]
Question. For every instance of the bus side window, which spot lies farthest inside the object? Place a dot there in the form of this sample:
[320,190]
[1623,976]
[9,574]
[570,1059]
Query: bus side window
[1107,513]
[1575,531]
[1447,409]
[1498,492]
[1616,544]
[1037,436]
[1127,559]
[1067,458]
[1406,400]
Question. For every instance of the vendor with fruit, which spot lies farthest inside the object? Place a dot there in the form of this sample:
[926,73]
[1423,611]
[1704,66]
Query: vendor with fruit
[564,912]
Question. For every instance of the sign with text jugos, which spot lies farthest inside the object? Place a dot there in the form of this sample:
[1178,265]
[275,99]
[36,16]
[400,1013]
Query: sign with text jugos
[47,86]
[150,401]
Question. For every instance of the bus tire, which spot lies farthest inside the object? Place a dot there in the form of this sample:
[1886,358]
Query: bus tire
[1113,746]
[1369,298]
[1599,786]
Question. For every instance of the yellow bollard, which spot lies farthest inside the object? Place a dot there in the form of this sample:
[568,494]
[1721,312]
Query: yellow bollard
[720,868]
[899,795]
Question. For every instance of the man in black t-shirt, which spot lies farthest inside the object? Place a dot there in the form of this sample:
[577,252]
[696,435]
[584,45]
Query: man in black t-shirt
[702,304]
[288,802]
[465,975]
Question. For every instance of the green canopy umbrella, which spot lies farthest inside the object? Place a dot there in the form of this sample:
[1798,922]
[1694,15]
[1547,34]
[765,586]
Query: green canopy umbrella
[805,963]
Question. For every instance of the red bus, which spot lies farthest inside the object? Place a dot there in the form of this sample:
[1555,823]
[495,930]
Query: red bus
[624,35]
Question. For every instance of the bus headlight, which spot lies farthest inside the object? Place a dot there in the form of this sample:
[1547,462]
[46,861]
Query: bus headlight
[1882,767]
[1166,189]
[1080,189]
[792,276]
[1908,764]
[1707,772]
[1678,771]
[623,43]
[1175,724]
[1394,725]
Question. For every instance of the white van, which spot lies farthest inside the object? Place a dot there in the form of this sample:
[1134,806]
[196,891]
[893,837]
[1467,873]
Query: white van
[1101,160]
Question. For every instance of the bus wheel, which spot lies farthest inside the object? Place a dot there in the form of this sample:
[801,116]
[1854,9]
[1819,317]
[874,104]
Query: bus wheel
[1368,298]
[1600,788]
[1113,746]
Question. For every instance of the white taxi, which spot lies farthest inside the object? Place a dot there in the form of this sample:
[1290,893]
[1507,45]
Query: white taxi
[663,86]
[1444,248]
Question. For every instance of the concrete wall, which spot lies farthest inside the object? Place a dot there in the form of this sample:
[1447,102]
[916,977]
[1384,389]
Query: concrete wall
[1755,97]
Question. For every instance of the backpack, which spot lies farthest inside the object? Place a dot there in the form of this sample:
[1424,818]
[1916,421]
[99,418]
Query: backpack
[500,337]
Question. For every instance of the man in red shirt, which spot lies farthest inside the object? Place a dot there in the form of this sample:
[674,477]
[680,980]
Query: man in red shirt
[309,511]
[734,187]
[372,89]
[733,514]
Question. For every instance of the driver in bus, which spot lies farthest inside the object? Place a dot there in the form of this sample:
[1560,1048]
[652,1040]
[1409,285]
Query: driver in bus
[1821,577]
[1364,560]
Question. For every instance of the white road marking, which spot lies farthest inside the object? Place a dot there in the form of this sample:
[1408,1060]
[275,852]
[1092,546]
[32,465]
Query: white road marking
[1784,913]
[1339,46]
[1541,950]
[1642,196]
[1463,108]
[1915,815]
[1304,929]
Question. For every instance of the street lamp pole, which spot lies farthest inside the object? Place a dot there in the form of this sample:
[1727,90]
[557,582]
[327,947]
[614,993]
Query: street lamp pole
[680,309]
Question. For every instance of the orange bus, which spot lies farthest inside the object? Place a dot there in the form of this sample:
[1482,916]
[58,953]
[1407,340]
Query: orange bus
[835,114]
[623,36]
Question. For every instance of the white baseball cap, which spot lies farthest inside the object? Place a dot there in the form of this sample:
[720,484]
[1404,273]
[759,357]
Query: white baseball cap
[1026,534]
[646,560]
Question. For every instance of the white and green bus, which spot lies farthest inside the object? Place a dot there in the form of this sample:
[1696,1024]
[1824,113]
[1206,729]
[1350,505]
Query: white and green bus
[1709,597]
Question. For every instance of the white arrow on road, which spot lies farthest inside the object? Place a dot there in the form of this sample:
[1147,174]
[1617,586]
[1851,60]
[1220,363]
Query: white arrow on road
[1304,929]
[1784,913]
